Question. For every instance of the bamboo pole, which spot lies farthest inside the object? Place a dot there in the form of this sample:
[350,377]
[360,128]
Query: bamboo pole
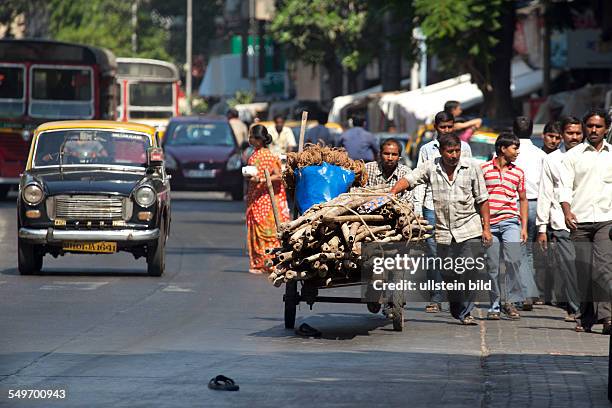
[302,131]
[273,199]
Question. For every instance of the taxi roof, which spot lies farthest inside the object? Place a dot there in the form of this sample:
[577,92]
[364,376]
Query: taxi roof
[96,124]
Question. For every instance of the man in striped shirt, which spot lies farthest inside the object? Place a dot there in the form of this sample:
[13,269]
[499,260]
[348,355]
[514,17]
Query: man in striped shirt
[505,182]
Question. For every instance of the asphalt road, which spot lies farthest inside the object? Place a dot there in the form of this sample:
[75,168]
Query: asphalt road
[102,330]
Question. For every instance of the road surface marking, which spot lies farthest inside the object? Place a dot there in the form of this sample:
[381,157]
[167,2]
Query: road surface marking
[174,288]
[62,285]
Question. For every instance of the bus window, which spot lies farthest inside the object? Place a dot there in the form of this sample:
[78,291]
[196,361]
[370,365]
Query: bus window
[62,92]
[12,98]
[148,95]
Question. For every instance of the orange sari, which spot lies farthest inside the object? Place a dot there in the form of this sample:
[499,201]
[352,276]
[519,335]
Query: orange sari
[261,229]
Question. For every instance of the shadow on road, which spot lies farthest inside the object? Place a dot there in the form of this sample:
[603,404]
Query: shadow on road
[213,222]
[235,271]
[234,252]
[80,272]
[353,325]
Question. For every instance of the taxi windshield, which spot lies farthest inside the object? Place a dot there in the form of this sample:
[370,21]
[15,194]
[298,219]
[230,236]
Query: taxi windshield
[91,147]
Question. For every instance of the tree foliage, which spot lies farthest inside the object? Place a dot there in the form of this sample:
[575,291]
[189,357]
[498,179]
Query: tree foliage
[461,33]
[172,14]
[474,36]
[345,34]
[107,24]
[35,11]
[322,30]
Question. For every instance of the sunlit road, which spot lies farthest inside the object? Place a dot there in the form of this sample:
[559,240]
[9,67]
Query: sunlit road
[110,336]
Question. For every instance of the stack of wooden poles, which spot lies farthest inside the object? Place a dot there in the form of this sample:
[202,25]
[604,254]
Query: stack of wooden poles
[326,241]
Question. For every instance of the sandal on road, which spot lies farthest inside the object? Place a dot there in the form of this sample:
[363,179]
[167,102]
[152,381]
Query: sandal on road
[307,330]
[570,318]
[432,308]
[510,311]
[222,383]
[468,321]
[493,316]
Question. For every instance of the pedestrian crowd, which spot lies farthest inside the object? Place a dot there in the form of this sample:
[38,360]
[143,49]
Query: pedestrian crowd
[542,216]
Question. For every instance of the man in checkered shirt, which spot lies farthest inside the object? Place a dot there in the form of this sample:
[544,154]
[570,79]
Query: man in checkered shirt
[387,170]
[462,214]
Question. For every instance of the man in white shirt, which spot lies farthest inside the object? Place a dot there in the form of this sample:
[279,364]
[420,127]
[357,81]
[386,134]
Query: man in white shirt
[586,200]
[283,140]
[551,221]
[238,127]
[530,161]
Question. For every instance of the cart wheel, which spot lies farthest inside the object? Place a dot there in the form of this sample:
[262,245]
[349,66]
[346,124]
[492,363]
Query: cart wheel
[290,304]
[398,318]
[374,307]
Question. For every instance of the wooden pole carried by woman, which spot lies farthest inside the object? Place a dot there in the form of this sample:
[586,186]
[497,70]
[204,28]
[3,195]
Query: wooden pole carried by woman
[277,220]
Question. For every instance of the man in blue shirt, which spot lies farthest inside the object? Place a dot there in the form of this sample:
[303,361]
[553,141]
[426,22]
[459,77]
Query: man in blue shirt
[319,134]
[359,143]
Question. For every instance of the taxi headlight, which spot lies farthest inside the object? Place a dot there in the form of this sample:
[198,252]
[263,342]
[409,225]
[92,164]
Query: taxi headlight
[33,194]
[144,196]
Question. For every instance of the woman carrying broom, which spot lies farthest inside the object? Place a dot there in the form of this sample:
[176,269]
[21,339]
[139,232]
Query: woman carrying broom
[261,228]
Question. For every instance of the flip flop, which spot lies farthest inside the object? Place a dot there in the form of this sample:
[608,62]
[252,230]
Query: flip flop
[432,308]
[222,383]
[307,331]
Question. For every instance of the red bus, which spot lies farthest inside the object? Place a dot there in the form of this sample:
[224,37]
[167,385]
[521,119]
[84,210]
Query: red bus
[42,81]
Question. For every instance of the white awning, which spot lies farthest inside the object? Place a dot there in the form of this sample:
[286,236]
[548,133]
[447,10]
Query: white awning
[340,102]
[420,106]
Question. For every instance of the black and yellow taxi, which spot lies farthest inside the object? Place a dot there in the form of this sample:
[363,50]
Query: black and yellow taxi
[93,187]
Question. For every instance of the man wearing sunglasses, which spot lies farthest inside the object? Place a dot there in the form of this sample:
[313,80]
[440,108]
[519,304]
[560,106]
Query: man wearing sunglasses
[444,123]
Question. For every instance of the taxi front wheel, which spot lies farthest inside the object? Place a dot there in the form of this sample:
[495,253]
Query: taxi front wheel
[29,260]
[156,253]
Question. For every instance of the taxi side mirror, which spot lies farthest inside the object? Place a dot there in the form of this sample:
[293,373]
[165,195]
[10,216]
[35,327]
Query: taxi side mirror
[155,157]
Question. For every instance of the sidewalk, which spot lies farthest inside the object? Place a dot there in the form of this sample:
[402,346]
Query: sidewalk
[540,361]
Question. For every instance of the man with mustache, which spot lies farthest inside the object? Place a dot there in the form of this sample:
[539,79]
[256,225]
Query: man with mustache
[586,200]
[505,183]
[462,212]
[387,169]
[444,123]
[550,220]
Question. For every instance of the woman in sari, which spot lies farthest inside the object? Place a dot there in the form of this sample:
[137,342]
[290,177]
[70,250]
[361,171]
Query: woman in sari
[261,228]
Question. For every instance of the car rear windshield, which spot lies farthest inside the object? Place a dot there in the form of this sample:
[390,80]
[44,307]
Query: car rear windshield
[91,147]
[205,134]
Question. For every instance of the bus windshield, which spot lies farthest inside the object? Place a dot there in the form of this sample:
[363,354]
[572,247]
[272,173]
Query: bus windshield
[12,98]
[91,147]
[151,94]
[62,92]
[150,100]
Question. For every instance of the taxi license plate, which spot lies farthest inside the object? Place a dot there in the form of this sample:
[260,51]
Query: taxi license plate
[95,247]
[200,173]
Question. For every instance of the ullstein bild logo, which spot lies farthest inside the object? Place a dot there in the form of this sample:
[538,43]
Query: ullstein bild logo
[389,271]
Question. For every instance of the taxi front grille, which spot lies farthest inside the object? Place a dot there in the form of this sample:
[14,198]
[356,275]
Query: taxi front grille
[82,207]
